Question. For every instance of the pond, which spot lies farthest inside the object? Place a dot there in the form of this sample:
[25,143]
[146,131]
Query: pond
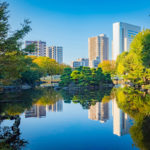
[42,119]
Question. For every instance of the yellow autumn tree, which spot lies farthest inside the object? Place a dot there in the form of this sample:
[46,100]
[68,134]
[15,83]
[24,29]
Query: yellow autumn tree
[47,65]
[108,66]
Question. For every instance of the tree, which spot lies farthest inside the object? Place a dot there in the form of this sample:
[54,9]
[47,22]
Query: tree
[100,75]
[135,64]
[120,68]
[141,47]
[66,77]
[48,66]
[108,66]
[11,67]
[12,59]
[31,76]
[75,76]
[85,77]
[10,42]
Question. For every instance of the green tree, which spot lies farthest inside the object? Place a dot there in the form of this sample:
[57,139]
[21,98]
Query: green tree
[135,65]
[75,76]
[86,76]
[12,60]
[137,105]
[12,65]
[10,42]
[66,77]
[120,64]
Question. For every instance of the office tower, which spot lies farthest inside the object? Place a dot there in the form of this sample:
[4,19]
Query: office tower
[84,62]
[100,111]
[121,121]
[55,52]
[123,35]
[40,48]
[98,49]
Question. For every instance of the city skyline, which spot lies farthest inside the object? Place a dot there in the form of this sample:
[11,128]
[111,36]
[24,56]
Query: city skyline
[70,23]
[98,46]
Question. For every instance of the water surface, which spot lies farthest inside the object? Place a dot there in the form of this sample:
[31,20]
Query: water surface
[67,120]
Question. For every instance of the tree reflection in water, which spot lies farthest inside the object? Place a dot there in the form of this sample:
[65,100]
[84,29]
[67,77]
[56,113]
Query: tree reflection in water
[132,102]
[86,97]
[10,136]
[12,105]
[137,105]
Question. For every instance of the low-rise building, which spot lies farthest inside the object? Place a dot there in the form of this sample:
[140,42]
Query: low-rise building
[95,62]
[80,62]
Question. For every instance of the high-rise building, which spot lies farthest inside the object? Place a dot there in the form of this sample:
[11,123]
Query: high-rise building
[98,48]
[40,48]
[100,111]
[55,52]
[123,34]
[80,62]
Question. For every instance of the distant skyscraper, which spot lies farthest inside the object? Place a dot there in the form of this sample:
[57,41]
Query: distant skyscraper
[55,52]
[40,48]
[121,121]
[100,111]
[98,48]
[80,62]
[123,34]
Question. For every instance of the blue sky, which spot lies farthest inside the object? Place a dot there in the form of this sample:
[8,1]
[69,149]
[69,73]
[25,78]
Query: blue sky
[69,23]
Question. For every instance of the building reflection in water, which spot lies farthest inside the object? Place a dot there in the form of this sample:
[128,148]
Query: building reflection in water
[121,121]
[100,111]
[40,111]
[57,107]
